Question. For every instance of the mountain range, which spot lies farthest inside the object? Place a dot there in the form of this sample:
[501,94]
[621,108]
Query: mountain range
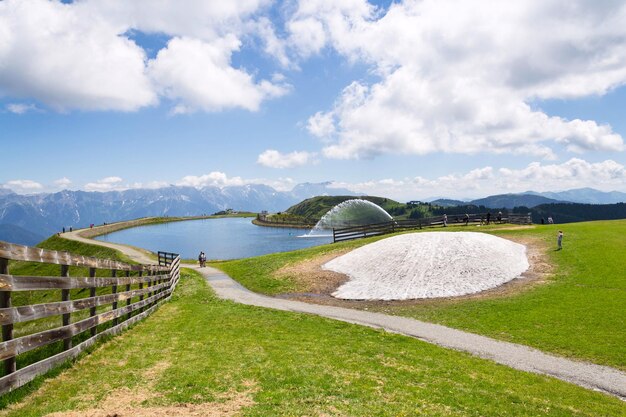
[26,217]
[532,199]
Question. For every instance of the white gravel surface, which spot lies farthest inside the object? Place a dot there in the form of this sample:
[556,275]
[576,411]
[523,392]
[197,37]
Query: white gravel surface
[428,265]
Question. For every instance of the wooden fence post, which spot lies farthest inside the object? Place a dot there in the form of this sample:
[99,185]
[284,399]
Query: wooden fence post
[92,293]
[65,296]
[141,288]
[7,329]
[114,291]
[128,299]
[150,273]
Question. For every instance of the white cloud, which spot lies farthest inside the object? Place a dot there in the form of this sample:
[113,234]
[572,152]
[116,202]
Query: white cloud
[114,183]
[273,45]
[198,76]
[214,179]
[21,108]
[575,173]
[68,59]
[106,184]
[201,19]
[221,180]
[23,186]
[63,182]
[274,159]
[316,23]
[321,125]
[457,76]
[80,55]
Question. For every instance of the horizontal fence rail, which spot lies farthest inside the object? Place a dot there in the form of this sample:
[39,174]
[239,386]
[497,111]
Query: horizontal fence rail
[375,229]
[113,303]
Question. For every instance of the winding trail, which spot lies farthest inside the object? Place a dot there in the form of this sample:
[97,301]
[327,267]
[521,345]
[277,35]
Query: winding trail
[141,256]
[596,377]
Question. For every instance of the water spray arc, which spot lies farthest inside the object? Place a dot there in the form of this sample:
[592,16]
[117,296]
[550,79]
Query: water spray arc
[355,212]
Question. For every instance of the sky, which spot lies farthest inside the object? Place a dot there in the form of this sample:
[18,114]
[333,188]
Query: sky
[405,99]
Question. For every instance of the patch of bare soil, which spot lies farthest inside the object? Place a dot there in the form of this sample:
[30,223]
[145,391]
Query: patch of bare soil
[310,275]
[319,284]
[127,402]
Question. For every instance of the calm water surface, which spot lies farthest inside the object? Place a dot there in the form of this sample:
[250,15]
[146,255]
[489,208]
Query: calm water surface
[226,238]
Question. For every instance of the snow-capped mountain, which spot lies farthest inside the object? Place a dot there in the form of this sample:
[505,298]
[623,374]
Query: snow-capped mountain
[45,214]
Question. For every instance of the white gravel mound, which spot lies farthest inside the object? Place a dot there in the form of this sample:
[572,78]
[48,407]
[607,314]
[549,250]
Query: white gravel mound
[428,265]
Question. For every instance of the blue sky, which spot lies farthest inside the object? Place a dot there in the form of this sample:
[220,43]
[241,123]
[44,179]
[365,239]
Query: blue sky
[409,100]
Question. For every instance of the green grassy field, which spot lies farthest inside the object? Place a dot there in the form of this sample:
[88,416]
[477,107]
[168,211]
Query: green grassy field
[210,354]
[580,312]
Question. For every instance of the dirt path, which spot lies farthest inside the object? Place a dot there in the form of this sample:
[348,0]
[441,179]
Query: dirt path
[524,358]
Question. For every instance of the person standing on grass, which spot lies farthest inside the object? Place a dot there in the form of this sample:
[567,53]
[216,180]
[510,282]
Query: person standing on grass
[488,217]
[559,240]
[445,220]
[466,219]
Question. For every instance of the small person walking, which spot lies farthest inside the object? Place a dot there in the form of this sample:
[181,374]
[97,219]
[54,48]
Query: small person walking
[559,240]
[445,220]
[202,259]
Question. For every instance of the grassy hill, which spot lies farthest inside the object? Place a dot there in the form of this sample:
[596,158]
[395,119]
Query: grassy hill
[204,356]
[200,354]
[314,208]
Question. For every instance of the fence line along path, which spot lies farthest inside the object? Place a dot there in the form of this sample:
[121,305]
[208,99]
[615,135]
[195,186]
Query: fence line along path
[392,226]
[119,294]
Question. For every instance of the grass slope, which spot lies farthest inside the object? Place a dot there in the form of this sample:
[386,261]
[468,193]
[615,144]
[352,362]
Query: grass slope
[199,349]
[579,313]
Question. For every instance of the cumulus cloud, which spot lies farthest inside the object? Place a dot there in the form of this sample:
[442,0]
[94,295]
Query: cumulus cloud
[574,173]
[456,76]
[81,55]
[67,59]
[198,76]
[23,186]
[274,159]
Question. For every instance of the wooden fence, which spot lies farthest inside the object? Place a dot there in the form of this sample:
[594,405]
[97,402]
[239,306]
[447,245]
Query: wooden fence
[114,303]
[358,232]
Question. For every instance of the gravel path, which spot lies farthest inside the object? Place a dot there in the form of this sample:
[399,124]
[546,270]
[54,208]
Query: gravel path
[138,255]
[596,377]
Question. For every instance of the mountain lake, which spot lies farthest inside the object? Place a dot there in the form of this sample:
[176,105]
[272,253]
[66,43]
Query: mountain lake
[221,238]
